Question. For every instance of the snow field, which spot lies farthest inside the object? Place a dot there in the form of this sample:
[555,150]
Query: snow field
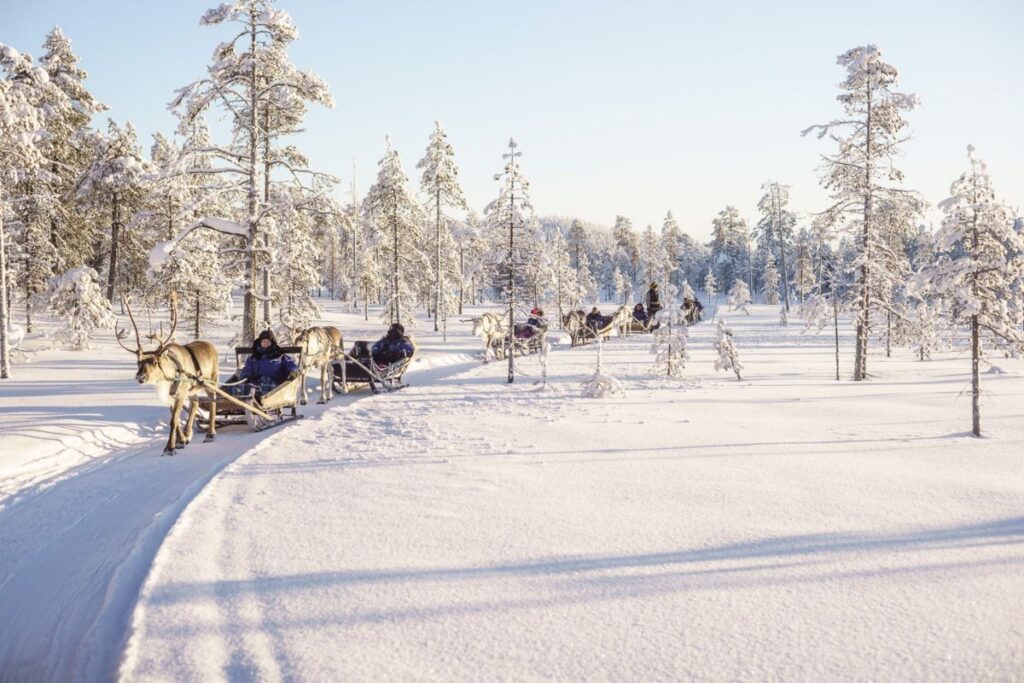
[786,527]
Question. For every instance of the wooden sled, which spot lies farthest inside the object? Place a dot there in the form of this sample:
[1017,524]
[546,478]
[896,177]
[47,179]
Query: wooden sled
[271,409]
[378,377]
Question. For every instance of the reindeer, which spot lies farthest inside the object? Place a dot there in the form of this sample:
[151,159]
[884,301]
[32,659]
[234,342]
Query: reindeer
[491,327]
[178,373]
[622,320]
[575,323]
[318,350]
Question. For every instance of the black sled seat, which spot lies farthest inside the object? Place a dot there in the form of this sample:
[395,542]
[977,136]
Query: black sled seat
[359,369]
[272,401]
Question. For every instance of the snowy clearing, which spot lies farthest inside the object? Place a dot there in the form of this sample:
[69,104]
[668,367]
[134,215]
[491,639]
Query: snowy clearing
[786,526]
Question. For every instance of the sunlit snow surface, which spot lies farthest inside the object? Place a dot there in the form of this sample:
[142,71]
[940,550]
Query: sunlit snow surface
[786,526]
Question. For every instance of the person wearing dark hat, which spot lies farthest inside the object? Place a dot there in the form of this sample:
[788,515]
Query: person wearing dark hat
[640,315]
[393,346]
[653,302]
[266,367]
[595,320]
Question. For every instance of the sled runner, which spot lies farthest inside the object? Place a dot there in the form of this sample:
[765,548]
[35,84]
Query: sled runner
[241,402]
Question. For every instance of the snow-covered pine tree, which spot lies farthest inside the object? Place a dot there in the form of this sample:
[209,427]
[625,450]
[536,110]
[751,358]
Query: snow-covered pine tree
[114,183]
[711,290]
[770,278]
[973,270]
[862,172]
[261,92]
[804,279]
[728,355]
[509,218]
[739,296]
[68,110]
[671,248]
[398,217]
[602,384]
[776,228]
[620,286]
[627,240]
[21,125]
[440,184]
[729,236]
[76,297]
[669,342]
[650,255]
[565,282]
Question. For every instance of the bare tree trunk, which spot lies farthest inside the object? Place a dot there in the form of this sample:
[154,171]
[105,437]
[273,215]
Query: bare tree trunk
[975,379]
[249,303]
[860,370]
[835,322]
[510,351]
[5,352]
[115,238]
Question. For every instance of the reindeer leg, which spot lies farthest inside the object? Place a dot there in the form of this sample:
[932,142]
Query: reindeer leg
[323,387]
[302,377]
[175,428]
[211,433]
[193,408]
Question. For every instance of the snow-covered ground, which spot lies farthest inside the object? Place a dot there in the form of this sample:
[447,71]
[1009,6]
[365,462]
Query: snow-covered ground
[786,526]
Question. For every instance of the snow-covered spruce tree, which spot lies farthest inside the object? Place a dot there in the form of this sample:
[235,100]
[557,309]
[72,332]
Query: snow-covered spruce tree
[294,264]
[650,255]
[440,184]
[75,296]
[565,281]
[728,356]
[804,279]
[509,218]
[669,342]
[627,240]
[862,172]
[251,78]
[671,248]
[972,268]
[739,296]
[770,279]
[68,108]
[398,217]
[114,183]
[775,229]
[20,134]
[711,290]
[620,286]
[729,236]
[471,244]
[601,384]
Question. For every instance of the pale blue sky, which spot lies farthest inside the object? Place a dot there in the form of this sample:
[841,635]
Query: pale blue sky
[620,107]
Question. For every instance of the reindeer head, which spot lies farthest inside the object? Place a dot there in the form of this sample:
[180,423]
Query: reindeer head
[149,362]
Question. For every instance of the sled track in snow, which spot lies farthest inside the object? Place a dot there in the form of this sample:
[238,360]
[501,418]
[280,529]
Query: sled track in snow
[77,550]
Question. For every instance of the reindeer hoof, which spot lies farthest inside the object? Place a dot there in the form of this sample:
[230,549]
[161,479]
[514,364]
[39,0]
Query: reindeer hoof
[303,402]
[321,402]
[209,437]
[168,451]
[181,445]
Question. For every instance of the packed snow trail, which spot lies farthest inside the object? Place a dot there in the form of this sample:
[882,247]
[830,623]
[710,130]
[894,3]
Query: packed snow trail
[787,527]
[82,514]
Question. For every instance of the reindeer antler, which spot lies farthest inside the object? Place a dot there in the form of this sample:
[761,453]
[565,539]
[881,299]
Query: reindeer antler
[122,334]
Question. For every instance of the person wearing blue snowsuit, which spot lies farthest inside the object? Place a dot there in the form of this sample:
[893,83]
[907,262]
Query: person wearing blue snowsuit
[393,346]
[267,367]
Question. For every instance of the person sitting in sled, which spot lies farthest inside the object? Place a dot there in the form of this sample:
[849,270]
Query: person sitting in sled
[595,320]
[653,301]
[534,324]
[640,315]
[393,346]
[267,366]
